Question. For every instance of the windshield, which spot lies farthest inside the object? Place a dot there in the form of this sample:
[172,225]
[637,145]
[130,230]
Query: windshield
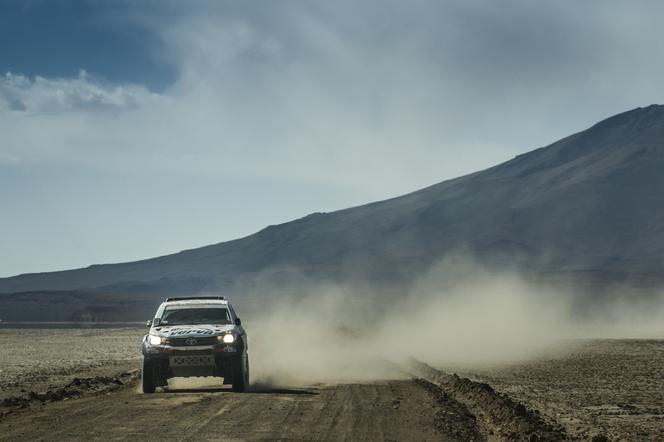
[183,315]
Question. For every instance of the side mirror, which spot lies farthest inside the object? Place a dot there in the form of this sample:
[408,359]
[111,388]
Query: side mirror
[238,321]
[148,323]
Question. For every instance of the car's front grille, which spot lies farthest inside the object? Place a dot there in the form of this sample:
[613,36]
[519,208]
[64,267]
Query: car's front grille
[191,341]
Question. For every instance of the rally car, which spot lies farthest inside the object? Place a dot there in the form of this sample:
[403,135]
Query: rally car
[197,336]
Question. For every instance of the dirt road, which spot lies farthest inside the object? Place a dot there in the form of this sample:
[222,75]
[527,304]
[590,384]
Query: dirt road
[598,388]
[394,410]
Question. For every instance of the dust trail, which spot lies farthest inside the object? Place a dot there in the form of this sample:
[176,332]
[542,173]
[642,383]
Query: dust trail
[196,383]
[459,315]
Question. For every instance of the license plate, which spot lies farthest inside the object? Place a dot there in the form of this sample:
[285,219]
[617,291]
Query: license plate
[191,360]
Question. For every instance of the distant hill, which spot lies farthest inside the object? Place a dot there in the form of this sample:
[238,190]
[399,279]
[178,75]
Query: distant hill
[588,206]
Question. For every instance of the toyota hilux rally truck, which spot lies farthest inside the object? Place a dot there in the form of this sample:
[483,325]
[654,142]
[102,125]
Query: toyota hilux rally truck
[198,336]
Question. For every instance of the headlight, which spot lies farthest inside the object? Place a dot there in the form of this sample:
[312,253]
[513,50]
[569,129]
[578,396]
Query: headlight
[227,339]
[155,340]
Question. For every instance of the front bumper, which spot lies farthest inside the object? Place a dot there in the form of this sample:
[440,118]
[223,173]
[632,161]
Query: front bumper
[217,360]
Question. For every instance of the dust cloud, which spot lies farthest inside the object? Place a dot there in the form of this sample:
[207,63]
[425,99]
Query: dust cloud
[458,315]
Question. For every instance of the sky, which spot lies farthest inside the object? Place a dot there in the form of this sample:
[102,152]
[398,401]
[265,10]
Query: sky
[132,129]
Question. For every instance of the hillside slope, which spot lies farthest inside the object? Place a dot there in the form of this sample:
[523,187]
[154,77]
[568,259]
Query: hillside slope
[592,202]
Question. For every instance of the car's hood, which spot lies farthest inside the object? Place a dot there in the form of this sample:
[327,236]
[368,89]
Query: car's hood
[198,330]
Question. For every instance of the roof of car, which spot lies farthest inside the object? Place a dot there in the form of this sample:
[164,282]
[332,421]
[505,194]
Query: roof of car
[197,300]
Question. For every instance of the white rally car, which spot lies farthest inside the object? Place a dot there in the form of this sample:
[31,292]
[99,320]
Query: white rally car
[197,336]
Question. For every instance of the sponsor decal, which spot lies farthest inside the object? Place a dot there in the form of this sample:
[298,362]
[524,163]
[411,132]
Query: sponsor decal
[192,331]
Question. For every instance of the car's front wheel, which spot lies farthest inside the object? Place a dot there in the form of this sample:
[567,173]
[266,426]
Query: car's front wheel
[147,377]
[241,374]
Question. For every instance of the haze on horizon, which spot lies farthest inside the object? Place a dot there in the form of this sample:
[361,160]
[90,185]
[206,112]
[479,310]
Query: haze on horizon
[131,131]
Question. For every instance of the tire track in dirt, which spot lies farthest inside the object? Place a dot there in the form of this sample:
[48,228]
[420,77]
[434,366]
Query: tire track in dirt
[435,406]
[376,411]
[499,416]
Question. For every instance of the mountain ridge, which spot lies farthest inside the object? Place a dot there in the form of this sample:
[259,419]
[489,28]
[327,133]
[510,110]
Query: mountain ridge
[588,202]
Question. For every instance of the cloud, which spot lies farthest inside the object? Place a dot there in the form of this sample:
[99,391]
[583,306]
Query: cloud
[39,95]
[417,93]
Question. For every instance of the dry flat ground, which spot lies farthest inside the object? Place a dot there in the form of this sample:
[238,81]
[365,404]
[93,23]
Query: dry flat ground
[610,387]
[34,359]
[614,387]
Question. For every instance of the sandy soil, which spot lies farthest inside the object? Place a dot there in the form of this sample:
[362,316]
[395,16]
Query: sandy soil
[610,387]
[39,359]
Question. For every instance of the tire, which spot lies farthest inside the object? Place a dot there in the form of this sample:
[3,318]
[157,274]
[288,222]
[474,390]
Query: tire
[147,377]
[241,374]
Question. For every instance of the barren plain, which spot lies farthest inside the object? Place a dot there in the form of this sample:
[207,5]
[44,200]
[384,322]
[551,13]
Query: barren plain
[64,385]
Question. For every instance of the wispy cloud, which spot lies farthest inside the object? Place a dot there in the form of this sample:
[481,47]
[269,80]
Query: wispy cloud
[40,95]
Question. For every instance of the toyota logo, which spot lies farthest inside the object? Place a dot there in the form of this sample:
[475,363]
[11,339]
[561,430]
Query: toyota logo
[190,341]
